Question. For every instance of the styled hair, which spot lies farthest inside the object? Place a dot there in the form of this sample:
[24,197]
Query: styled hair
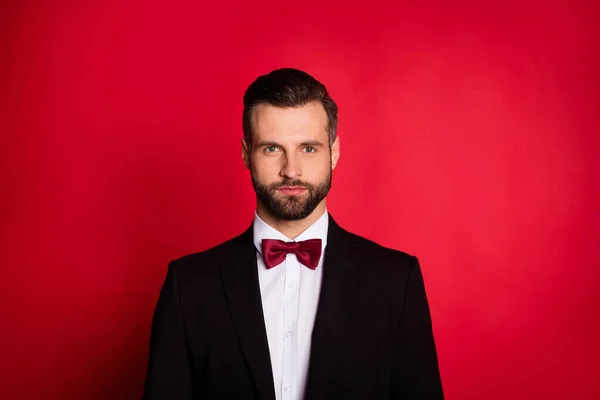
[287,87]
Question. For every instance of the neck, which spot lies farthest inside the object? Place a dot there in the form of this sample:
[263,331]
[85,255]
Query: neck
[291,229]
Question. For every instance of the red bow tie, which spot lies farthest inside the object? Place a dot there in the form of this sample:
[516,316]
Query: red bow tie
[307,251]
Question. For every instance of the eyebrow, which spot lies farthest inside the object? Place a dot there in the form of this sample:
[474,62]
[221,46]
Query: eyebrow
[264,143]
[313,143]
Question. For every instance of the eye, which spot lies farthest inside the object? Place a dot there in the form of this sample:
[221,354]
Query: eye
[271,149]
[309,149]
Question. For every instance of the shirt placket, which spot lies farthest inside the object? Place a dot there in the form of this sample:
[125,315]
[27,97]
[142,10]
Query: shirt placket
[290,322]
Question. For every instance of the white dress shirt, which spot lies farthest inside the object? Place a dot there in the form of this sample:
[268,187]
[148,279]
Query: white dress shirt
[290,295]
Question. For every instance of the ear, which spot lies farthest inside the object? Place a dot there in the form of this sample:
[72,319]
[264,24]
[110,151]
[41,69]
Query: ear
[335,152]
[245,153]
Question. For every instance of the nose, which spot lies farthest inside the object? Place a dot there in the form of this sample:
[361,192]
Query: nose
[291,167]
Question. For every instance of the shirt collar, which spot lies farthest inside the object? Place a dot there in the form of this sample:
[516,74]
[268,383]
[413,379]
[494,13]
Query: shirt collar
[262,230]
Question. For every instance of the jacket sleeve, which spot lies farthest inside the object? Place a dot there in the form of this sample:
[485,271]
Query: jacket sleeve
[415,372]
[169,369]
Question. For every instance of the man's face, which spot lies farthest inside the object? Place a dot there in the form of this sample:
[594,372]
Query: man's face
[290,159]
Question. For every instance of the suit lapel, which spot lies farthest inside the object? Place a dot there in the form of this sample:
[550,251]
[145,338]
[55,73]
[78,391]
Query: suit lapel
[339,303]
[240,280]
[340,280]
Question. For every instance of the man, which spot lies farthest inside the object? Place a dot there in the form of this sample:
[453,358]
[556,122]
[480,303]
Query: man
[295,307]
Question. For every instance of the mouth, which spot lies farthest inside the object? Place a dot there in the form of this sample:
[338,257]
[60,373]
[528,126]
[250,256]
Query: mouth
[291,190]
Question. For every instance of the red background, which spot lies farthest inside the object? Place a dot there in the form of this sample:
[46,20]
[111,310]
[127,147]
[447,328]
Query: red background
[469,133]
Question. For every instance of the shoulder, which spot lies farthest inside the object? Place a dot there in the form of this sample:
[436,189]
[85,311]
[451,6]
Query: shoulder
[383,270]
[383,265]
[371,250]
[207,262]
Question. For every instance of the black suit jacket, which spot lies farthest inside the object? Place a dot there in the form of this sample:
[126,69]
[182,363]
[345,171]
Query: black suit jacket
[372,337]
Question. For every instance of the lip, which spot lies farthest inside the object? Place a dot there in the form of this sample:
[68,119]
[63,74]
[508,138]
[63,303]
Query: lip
[290,190]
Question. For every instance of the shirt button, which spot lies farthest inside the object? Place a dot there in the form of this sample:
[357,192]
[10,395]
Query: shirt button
[288,334]
[287,388]
[293,285]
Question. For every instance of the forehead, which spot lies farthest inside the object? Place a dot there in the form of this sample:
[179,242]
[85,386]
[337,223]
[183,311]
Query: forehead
[278,123]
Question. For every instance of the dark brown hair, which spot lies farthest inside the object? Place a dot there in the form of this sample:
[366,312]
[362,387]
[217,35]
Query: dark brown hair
[287,87]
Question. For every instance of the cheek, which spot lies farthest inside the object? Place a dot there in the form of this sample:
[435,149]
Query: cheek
[322,165]
[265,170]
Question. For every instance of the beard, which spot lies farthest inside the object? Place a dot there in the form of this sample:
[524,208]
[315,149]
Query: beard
[291,208]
